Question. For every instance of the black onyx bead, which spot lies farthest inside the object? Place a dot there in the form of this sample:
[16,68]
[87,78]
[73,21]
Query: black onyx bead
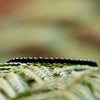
[51,60]
[57,60]
[35,60]
[46,60]
[62,60]
[40,59]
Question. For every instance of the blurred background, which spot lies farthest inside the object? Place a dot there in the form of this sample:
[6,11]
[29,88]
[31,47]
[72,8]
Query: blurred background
[63,28]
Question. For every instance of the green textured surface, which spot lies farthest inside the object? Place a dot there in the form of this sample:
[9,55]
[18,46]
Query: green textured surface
[48,82]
